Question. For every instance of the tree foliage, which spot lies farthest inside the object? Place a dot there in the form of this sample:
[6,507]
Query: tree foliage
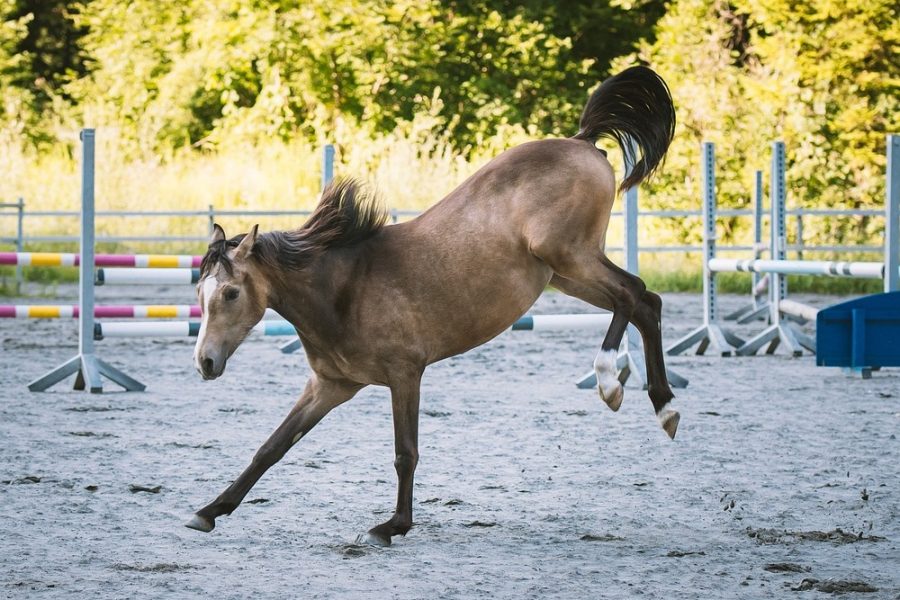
[177,73]
[821,75]
[598,32]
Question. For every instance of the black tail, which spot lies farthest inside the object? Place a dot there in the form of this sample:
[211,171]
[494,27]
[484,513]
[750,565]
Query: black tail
[633,105]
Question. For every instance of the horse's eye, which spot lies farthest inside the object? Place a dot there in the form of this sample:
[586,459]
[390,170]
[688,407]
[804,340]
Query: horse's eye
[231,294]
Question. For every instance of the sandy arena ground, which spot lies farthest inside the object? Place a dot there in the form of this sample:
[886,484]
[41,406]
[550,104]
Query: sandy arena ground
[784,480]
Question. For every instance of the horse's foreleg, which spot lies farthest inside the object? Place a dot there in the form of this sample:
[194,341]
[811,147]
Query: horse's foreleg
[405,407]
[317,399]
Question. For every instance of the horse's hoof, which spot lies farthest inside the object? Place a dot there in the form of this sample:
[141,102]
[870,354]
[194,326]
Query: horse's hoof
[669,420]
[614,398]
[373,539]
[201,524]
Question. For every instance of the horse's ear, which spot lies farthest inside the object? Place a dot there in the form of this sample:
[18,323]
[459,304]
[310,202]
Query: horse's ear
[246,245]
[218,234]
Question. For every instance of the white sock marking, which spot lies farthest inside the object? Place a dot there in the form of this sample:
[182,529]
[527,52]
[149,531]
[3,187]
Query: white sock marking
[663,413]
[605,368]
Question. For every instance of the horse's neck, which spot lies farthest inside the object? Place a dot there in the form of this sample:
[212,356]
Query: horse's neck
[306,297]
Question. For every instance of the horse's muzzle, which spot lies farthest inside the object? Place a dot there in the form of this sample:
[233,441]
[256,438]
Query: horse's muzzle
[210,366]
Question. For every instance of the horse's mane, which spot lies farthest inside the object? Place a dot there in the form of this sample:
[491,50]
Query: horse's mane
[346,215]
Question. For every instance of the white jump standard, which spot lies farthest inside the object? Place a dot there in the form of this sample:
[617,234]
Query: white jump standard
[86,364]
[710,333]
[780,330]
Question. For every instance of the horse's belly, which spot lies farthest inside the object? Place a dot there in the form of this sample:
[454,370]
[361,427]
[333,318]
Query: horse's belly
[474,315]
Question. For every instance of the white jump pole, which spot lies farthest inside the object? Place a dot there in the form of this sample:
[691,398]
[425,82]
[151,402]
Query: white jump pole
[799,310]
[598,321]
[86,364]
[134,329]
[126,329]
[148,276]
[857,270]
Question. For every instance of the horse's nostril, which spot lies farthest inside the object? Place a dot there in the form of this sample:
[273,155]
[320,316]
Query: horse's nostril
[207,365]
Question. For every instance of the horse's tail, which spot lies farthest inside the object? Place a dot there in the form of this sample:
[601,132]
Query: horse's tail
[633,105]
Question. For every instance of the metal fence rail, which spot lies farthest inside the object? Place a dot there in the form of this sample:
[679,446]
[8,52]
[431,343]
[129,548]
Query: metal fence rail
[211,214]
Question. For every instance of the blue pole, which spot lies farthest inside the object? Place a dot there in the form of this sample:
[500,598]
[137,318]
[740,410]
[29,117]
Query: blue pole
[709,232]
[757,228]
[778,239]
[86,268]
[892,216]
[327,164]
[631,219]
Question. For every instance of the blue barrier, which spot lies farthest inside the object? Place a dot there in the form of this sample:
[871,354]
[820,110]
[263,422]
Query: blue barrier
[862,334]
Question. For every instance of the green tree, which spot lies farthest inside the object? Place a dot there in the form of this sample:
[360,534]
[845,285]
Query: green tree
[598,31]
[50,50]
[16,102]
[821,75]
[177,72]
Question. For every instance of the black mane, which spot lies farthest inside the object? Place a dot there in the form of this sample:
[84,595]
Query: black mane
[346,215]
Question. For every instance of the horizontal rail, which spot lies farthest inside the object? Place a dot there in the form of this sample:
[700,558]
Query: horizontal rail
[724,212]
[167,213]
[835,212]
[562,322]
[651,249]
[861,270]
[66,239]
[855,249]
[152,239]
[798,309]
[178,329]
[281,327]
[146,276]
[109,311]
[56,259]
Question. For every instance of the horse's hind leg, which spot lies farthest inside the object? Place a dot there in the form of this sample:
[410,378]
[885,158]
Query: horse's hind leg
[646,317]
[316,401]
[618,290]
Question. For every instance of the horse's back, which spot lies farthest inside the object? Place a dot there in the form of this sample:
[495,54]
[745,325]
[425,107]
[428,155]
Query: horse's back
[465,270]
[546,188]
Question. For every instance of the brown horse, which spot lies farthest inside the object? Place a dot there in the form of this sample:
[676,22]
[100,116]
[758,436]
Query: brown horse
[376,304]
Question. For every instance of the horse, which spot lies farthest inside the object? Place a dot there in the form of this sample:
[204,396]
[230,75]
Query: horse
[375,304]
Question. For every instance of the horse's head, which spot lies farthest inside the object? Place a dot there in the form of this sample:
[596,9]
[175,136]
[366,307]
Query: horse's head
[233,298]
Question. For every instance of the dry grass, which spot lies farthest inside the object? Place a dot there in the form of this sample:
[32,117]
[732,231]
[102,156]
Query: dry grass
[411,170]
